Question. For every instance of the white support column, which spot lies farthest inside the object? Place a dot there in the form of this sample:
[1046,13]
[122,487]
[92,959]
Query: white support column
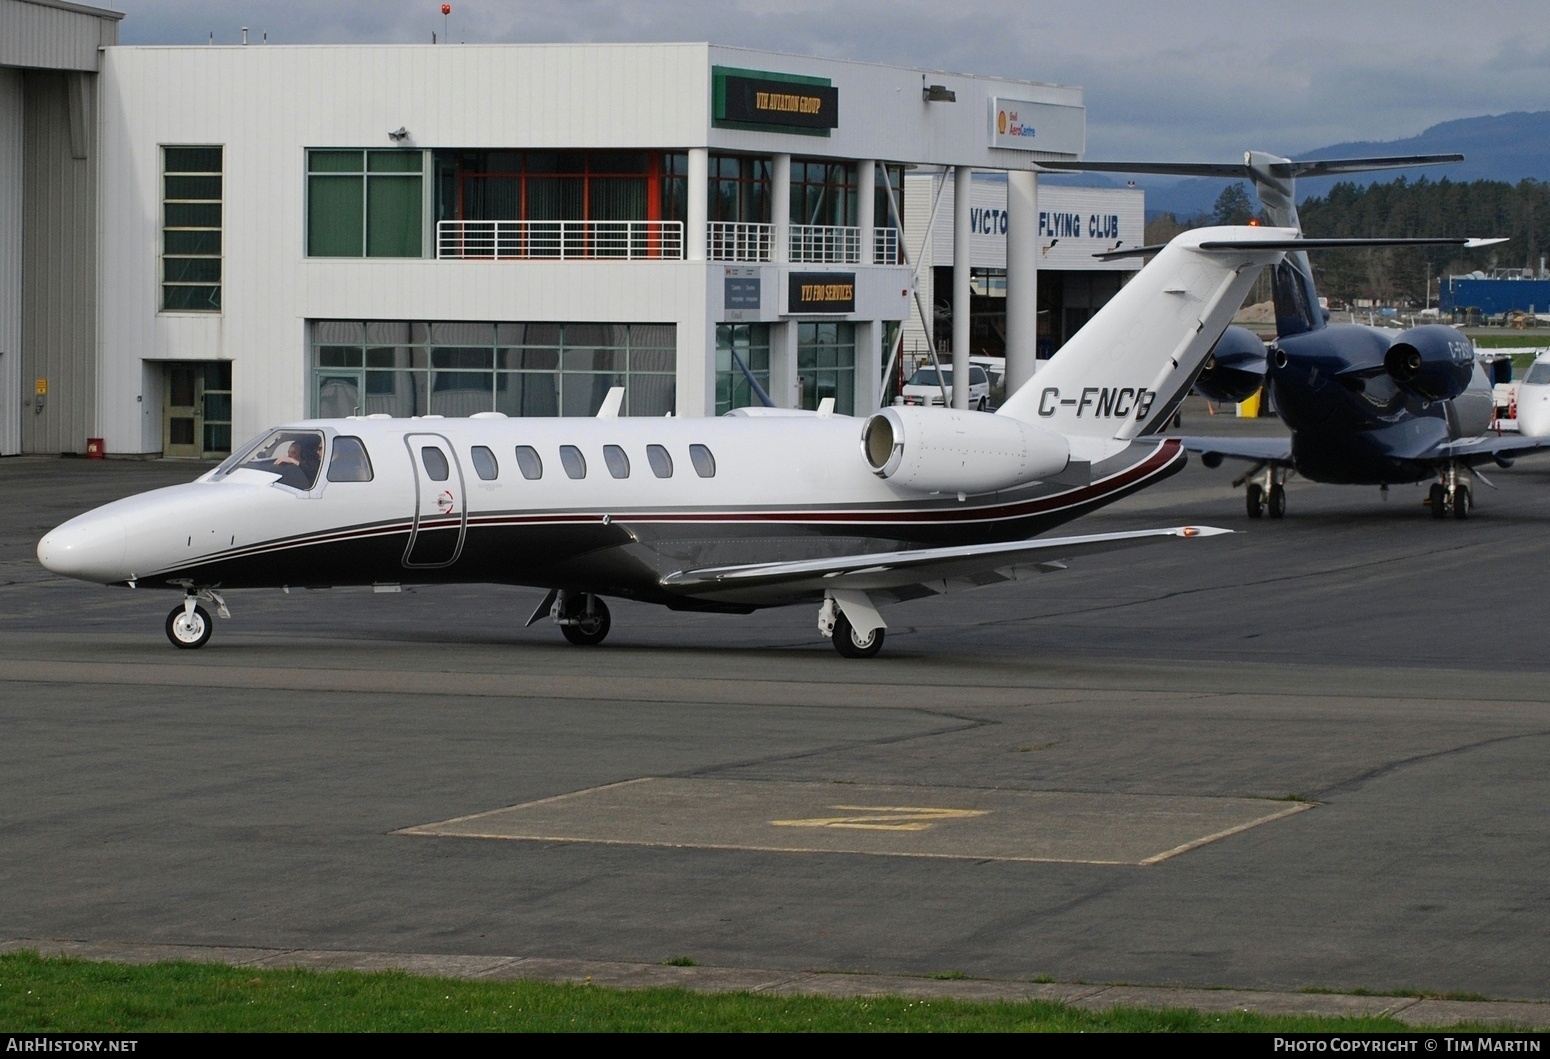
[1022,278]
[963,182]
[783,364]
[780,210]
[697,212]
[869,364]
[866,196]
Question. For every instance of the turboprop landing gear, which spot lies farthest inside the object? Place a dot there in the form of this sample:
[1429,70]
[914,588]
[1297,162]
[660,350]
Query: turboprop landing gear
[1267,491]
[188,624]
[582,617]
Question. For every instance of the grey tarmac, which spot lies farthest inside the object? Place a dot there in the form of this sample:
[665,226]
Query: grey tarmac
[1306,756]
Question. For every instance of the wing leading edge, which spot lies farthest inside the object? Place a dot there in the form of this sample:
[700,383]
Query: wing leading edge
[895,576]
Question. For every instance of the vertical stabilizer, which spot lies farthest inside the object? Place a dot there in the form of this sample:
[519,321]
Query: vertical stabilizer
[1126,370]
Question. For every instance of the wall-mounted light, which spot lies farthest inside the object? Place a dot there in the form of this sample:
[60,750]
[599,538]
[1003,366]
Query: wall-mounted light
[938,94]
[399,135]
[1051,246]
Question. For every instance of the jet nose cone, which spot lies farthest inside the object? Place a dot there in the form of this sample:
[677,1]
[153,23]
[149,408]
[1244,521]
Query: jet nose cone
[90,548]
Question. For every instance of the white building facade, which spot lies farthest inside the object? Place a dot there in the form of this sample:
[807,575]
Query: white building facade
[442,230]
[1072,225]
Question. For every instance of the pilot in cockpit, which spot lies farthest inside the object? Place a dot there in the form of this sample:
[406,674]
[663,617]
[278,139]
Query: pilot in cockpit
[299,466]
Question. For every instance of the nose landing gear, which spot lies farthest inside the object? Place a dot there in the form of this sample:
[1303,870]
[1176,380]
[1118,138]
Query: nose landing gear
[1267,491]
[188,624]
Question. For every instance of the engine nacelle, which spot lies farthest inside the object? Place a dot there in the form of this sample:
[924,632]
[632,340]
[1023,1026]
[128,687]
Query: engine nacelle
[939,450]
[1431,361]
[1235,368]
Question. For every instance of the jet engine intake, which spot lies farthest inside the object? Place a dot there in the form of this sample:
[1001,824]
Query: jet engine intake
[1431,362]
[1235,368]
[939,450]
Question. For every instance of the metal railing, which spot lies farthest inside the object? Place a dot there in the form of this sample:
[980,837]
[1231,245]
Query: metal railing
[739,241]
[885,246]
[824,244]
[560,240]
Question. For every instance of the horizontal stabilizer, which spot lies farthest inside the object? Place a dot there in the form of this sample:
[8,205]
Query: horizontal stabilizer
[1283,167]
[1305,244]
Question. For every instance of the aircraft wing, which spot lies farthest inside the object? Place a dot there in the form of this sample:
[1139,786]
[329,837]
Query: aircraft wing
[1260,450]
[895,576]
[1488,445]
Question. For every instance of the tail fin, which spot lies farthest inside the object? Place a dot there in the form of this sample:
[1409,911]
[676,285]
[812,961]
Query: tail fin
[1126,370]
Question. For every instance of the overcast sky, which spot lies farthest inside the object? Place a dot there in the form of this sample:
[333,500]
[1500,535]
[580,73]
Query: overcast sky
[1181,80]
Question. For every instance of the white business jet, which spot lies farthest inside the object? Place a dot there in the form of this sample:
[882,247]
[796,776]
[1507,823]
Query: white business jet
[761,508]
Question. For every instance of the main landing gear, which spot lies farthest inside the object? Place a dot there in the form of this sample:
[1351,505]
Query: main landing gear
[1266,491]
[841,628]
[582,617]
[1452,494]
[188,624]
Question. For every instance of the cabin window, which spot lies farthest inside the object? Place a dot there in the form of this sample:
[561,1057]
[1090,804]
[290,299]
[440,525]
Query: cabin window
[484,463]
[573,461]
[349,462]
[661,462]
[618,462]
[436,465]
[529,463]
[704,462]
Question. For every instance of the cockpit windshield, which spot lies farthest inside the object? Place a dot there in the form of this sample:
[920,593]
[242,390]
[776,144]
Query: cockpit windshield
[1539,374]
[293,455]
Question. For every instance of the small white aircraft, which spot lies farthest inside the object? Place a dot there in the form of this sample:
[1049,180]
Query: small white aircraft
[761,508]
[1533,399]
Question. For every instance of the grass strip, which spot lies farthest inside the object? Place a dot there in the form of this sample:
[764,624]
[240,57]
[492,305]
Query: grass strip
[62,994]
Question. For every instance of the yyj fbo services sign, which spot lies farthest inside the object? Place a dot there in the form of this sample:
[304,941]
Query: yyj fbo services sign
[1052,128]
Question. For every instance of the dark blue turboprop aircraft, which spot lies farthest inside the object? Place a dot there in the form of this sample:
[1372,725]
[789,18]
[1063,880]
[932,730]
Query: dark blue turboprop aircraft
[1365,406]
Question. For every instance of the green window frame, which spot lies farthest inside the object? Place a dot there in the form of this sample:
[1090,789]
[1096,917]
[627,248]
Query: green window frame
[365,203]
[192,196]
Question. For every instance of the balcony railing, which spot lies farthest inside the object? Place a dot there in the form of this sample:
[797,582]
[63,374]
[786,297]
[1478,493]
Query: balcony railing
[818,244]
[739,241]
[885,246]
[560,240]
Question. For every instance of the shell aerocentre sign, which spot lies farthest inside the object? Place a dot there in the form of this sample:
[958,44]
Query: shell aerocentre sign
[1022,125]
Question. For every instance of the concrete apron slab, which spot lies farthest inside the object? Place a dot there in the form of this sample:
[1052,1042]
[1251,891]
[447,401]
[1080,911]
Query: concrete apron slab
[898,821]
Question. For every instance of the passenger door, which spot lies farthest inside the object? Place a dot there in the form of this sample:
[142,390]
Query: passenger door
[440,508]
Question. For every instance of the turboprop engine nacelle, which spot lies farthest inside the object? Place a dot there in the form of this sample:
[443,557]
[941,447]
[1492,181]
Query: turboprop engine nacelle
[1431,361]
[937,450]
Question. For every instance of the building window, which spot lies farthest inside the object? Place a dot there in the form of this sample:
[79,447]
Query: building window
[191,229]
[750,344]
[456,368]
[826,365]
[739,188]
[547,185]
[823,193]
[365,203]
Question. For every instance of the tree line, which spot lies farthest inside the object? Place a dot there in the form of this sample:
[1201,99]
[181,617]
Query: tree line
[1401,276]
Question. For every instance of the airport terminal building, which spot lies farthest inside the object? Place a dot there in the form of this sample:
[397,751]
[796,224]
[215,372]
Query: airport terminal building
[279,232]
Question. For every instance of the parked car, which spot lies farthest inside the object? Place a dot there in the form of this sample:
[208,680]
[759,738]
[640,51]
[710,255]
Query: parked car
[923,388]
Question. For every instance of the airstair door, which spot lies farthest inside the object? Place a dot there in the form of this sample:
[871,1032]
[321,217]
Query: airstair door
[440,513]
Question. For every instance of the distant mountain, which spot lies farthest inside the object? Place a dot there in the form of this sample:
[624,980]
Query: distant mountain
[1508,147]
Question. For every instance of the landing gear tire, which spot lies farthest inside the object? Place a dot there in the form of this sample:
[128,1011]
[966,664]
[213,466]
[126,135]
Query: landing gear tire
[189,630]
[1277,501]
[1461,501]
[1255,499]
[586,630]
[1439,499]
[851,645]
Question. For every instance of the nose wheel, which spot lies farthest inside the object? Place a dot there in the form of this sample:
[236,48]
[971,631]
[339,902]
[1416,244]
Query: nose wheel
[189,626]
